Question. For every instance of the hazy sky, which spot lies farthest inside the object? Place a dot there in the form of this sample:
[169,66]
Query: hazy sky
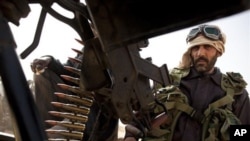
[58,39]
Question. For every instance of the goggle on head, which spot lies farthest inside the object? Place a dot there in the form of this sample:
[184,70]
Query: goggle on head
[208,31]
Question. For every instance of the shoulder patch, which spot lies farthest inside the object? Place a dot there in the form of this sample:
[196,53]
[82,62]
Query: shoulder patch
[235,81]
[176,74]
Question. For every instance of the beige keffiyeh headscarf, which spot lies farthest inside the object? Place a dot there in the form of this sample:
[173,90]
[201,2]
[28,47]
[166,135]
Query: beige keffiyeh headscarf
[186,61]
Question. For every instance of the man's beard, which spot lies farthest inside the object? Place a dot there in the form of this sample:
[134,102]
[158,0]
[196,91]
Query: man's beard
[204,67]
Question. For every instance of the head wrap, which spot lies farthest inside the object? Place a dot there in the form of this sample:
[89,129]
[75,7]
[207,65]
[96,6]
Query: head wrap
[186,61]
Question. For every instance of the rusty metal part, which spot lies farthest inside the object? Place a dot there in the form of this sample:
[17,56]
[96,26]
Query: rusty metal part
[76,110]
[76,99]
[73,70]
[66,133]
[76,90]
[72,108]
[71,79]
[77,51]
[80,41]
[70,125]
[71,116]
[75,60]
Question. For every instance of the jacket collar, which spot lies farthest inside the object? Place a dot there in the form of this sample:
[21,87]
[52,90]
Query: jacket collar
[216,76]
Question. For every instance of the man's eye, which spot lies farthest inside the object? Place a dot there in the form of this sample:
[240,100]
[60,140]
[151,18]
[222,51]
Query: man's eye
[208,47]
[195,48]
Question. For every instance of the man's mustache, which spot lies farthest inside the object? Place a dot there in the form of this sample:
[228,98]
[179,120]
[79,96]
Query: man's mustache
[201,59]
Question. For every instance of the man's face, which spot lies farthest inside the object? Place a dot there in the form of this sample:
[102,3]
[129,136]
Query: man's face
[204,58]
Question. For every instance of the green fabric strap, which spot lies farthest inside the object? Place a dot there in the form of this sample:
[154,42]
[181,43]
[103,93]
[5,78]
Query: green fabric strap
[180,106]
[227,99]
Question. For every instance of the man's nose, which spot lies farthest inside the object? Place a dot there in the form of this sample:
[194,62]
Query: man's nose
[201,51]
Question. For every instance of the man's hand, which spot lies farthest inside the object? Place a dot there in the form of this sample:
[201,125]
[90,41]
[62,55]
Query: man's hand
[132,133]
[39,65]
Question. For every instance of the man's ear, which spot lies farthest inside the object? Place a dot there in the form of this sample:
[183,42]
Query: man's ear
[218,54]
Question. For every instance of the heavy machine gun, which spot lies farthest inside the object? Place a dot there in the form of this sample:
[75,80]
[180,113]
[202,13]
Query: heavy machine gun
[113,33]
